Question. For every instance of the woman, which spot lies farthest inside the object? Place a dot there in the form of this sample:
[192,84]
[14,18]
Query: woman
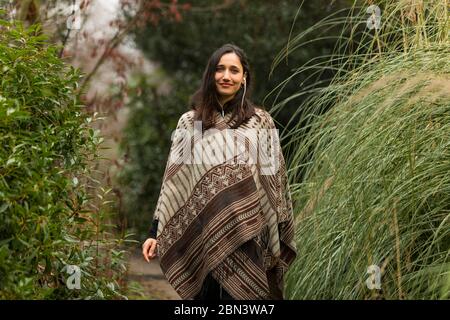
[223,229]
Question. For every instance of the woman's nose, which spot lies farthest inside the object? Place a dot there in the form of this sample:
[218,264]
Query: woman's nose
[226,75]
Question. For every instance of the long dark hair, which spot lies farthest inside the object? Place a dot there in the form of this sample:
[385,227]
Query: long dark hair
[205,101]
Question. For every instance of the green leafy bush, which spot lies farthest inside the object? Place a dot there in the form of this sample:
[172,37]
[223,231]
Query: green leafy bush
[48,220]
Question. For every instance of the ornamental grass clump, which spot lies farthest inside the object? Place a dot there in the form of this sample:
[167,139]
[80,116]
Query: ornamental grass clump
[370,164]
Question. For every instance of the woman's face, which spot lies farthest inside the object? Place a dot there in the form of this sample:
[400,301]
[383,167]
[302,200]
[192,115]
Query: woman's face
[229,76]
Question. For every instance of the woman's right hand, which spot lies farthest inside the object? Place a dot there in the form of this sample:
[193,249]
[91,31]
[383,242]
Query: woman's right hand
[149,249]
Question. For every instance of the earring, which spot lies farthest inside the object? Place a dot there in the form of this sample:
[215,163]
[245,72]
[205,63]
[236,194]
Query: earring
[243,96]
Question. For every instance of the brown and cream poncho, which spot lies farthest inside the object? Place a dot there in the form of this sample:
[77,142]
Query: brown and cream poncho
[226,214]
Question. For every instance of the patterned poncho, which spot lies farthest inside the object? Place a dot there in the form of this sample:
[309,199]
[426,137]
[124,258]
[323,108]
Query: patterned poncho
[225,208]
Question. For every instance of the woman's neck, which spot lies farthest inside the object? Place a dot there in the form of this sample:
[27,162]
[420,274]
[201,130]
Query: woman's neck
[222,100]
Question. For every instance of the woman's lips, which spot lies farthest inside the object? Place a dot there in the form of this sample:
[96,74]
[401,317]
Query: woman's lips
[225,85]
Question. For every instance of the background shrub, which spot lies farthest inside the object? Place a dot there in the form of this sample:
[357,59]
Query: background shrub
[48,219]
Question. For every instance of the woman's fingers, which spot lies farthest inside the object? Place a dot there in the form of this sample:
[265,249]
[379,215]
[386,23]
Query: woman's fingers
[152,249]
[149,249]
[145,250]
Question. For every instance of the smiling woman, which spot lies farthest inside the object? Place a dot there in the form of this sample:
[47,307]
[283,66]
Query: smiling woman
[223,229]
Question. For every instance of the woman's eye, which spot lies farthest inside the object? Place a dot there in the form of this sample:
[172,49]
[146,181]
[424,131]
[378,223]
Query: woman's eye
[232,70]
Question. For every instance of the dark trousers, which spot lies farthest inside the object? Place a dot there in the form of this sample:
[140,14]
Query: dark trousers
[212,291]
